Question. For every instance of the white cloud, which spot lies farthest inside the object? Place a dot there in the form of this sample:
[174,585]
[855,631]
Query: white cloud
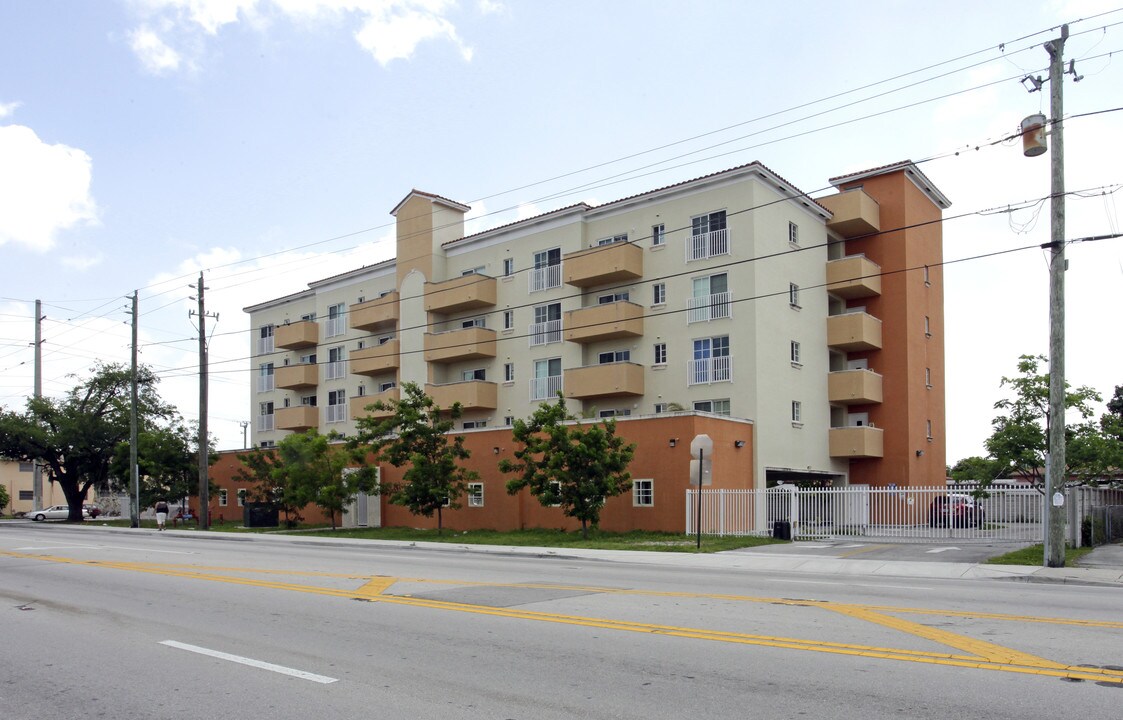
[398,28]
[154,54]
[489,7]
[43,188]
[7,109]
[82,262]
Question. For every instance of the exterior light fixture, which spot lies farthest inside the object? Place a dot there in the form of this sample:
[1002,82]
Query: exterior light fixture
[672,442]
[738,443]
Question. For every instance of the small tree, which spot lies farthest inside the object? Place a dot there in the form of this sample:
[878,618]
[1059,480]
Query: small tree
[311,471]
[4,499]
[416,435]
[267,483]
[569,464]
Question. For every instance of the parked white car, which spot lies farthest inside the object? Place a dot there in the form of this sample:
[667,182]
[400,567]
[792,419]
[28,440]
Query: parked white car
[55,512]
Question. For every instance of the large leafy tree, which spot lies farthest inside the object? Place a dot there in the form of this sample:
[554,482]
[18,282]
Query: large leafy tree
[416,436]
[1020,436]
[167,462]
[76,437]
[570,464]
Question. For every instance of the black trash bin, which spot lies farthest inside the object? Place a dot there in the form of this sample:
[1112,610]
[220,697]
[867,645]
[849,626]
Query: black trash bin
[260,515]
[782,530]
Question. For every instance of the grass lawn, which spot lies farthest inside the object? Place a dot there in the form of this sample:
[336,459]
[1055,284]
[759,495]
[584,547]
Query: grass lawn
[1035,555]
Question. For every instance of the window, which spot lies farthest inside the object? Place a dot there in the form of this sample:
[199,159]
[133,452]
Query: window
[26,467]
[337,323]
[793,233]
[643,493]
[265,380]
[508,420]
[474,271]
[469,375]
[309,359]
[337,406]
[362,299]
[708,236]
[718,407]
[385,339]
[614,356]
[383,387]
[614,239]
[711,361]
[308,400]
[473,322]
[613,297]
[927,327]
[336,367]
[927,279]
[660,353]
[267,443]
[473,424]
[508,267]
[475,494]
[659,294]
[795,353]
[658,234]
[547,326]
[265,340]
[547,270]
[662,408]
[793,295]
[508,319]
[222,497]
[709,299]
[26,494]
[928,378]
[508,372]
[241,498]
[308,317]
[617,412]
[928,429]
[547,380]
[797,412]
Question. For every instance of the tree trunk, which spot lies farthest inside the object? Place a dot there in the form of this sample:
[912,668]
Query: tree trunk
[584,529]
[440,523]
[75,496]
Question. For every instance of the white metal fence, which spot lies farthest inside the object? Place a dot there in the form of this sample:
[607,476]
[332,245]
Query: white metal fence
[890,514]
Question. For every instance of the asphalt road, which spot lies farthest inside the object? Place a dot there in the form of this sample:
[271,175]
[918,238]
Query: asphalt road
[141,624]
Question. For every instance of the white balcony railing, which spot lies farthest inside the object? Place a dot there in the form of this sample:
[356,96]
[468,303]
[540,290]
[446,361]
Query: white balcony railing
[709,370]
[335,326]
[336,413]
[545,388]
[265,345]
[335,370]
[707,245]
[265,423]
[266,383]
[544,333]
[709,307]
[545,278]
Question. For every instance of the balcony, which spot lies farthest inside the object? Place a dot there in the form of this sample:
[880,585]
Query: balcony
[604,322]
[854,332]
[545,388]
[707,245]
[855,213]
[297,335]
[544,333]
[856,442]
[709,307]
[359,404]
[377,314]
[377,360]
[854,387]
[544,278]
[607,380]
[298,418]
[604,264]
[472,395]
[467,292]
[854,277]
[705,371]
[295,377]
[465,344]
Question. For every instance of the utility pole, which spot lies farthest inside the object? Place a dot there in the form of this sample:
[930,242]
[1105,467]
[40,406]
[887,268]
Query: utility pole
[245,424]
[1055,472]
[134,469]
[36,468]
[204,460]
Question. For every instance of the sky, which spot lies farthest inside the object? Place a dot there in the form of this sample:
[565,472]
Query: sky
[264,142]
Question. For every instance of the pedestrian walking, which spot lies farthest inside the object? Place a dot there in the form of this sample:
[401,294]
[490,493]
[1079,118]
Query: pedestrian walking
[161,514]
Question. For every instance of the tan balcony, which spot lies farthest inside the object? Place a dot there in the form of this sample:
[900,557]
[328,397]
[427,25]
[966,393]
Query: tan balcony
[466,344]
[359,404]
[472,395]
[854,277]
[377,360]
[377,314]
[299,418]
[607,380]
[467,292]
[857,442]
[604,264]
[294,377]
[297,335]
[855,213]
[854,332]
[854,387]
[604,322]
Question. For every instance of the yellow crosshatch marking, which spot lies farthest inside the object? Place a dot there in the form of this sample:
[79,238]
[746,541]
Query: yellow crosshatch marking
[978,654]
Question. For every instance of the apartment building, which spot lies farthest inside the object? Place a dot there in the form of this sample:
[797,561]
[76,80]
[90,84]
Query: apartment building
[819,323]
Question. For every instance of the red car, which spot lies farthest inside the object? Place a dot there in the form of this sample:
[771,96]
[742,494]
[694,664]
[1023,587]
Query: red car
[955,510]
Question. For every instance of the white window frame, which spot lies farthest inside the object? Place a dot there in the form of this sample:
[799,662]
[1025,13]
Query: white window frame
[612,240]
[643,492]
[709,236]
[793,296]
[336,412]
[703,305]
[549,330]
[793,234]
[723,401]
[508,319]
[508,372]
[797,412]
[660,353]
[265,344]
[508,267]
[266,379]
[795,354]
[547,272]
[658,235]
[546,387]
[658,294]
[222,497]
[615,356]
[475,494]
[336,368]
[337,320]
[474,375]
[241,495]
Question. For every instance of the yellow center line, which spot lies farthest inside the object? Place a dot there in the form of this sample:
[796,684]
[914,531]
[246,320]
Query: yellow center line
[871,548]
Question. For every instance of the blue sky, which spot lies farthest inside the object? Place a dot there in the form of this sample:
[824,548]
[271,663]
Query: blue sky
[266,141]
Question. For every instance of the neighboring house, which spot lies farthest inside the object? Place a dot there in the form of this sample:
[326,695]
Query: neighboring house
[16,477]
[731,296]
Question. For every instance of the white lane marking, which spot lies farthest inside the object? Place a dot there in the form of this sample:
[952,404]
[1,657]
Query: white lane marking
[322,679]
[941,549]
[848,584]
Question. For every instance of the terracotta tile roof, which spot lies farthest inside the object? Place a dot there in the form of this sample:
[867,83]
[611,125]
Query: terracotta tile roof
[430,196]
[909,168]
